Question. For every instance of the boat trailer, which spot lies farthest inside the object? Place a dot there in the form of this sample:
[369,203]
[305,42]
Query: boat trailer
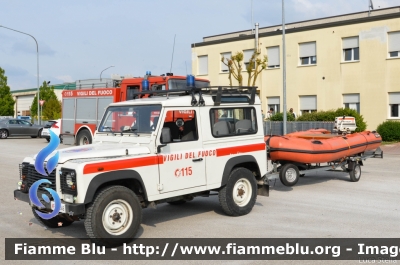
[290,171]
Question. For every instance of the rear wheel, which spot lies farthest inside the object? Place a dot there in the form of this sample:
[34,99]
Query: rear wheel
[84,137]
[55,222]
[114,216]
[39,134]
[289,175]
[355,173]
[3,134]
[239,195]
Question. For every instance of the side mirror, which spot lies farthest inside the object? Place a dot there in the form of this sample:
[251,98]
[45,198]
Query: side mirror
[166,135]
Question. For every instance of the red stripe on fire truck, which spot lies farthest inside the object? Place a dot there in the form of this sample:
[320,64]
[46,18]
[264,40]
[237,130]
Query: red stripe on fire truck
[240,149]
[122,164]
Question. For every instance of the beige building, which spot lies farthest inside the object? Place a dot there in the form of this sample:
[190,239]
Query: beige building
[351,60]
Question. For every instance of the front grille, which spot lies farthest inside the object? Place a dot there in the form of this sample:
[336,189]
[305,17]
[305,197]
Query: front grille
[33,175]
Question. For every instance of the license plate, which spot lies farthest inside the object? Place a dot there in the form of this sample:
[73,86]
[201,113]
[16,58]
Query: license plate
[62,209]
[45,133]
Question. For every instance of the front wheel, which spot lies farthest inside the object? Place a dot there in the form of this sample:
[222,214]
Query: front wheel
[3,134]
[289,175]
[55,222]
[114,216]
[84,137]
[239,195]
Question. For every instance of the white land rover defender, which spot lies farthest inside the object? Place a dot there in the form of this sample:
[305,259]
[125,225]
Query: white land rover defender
[168,146]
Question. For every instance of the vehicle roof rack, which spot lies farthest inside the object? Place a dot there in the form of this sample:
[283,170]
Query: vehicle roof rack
[217,91]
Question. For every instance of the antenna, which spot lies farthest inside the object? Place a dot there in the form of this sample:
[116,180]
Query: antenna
[186,67]
[252,31]
[370,7]
[172,59]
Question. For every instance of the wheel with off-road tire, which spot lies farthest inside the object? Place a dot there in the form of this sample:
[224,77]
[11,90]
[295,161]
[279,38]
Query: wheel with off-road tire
[84,137]
[239,194]
[289,175]
[55,222]
[3,134]
[114,216]
[355,173]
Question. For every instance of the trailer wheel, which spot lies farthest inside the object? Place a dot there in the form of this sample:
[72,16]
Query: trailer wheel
[355,173]
[114,216]
[55,222]
[84,137]
[289,175]
[239,195]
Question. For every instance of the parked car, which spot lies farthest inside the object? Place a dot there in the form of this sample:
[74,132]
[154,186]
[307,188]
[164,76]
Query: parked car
[17,127]
[53,125]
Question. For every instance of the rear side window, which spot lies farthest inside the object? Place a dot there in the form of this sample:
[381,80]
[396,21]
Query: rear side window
[233,121]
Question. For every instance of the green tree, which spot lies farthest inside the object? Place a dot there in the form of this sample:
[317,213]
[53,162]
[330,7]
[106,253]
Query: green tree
[6,100]
[51,109]
[253,68]
[46,93]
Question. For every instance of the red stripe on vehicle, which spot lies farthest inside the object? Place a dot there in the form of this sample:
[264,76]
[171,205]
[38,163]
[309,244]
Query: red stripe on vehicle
[122,164]
[240,149]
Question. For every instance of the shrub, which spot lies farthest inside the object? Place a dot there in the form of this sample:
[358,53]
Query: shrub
[330,115]
[279,117]
[389,130]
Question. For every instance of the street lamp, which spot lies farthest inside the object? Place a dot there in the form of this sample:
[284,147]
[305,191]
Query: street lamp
[104,70]
[284,67]
[37,53]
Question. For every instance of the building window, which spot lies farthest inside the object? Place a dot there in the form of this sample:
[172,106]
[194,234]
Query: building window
[203,65]
[394,44]
[352,101]
[246,58]
[273,102]
[394,102]
[308,104]
[308,53]
[351,49]
[273,57]
[226,56]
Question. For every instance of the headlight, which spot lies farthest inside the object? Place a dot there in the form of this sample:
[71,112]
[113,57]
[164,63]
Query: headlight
[68,181]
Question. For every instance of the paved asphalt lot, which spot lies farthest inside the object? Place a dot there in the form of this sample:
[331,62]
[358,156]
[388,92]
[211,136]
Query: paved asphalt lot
[321,205]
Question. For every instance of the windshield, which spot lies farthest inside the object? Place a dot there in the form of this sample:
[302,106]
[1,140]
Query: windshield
[130,119]
[181,84]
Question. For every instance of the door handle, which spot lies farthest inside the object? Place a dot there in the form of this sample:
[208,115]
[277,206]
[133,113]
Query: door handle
[197,159]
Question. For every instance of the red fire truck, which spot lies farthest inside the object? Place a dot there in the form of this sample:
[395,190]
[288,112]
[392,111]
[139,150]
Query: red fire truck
[83,108]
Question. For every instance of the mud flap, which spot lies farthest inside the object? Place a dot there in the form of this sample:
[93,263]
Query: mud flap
[263,190]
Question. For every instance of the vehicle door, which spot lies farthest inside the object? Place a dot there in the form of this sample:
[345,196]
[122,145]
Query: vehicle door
[13,127]
[180,166]
[25,128]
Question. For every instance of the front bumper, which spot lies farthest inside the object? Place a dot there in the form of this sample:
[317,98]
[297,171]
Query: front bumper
[75,208]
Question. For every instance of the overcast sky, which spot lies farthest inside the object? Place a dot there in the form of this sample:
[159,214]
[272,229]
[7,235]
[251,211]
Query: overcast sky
[78,39]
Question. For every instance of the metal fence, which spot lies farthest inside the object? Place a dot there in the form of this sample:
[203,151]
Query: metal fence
[276,127]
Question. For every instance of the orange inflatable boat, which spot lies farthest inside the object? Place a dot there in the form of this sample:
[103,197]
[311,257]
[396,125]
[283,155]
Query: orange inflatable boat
[319,146]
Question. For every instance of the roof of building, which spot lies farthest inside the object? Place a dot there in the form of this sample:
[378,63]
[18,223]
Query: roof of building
[64,86]
[341,20]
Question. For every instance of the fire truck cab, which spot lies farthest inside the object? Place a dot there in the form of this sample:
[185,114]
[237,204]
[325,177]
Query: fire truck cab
[83,108]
